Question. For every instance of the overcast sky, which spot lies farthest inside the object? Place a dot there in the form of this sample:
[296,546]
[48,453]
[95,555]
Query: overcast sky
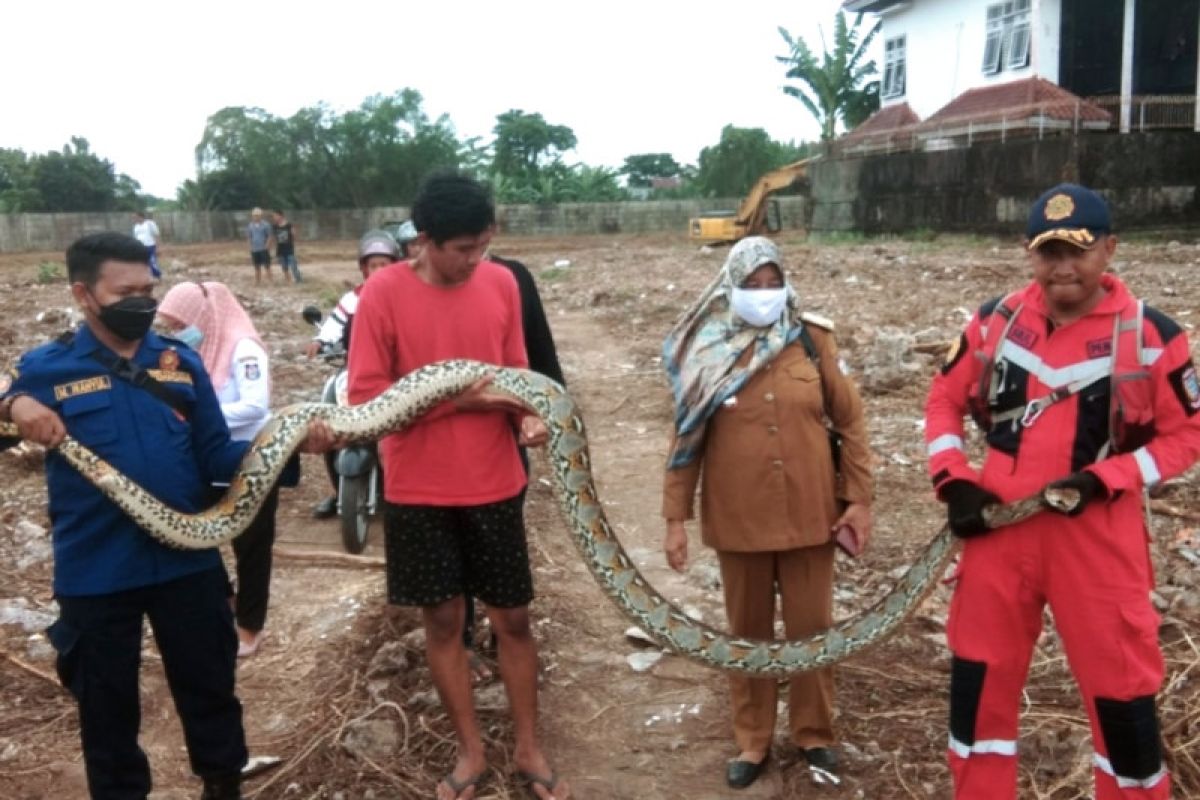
[138,80]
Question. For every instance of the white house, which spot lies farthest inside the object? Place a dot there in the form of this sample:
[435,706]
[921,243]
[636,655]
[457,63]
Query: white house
[1129,55]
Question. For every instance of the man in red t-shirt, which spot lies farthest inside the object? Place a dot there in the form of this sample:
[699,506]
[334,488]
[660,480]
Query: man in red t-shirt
[453,480]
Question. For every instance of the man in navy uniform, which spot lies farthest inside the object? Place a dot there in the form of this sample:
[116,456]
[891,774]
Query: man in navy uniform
[146,405]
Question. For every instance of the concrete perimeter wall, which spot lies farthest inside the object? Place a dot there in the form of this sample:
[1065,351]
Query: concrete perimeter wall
[1149,179]
[23,232]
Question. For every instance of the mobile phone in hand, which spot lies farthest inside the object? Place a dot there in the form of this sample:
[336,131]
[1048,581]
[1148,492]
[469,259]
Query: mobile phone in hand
[847,541]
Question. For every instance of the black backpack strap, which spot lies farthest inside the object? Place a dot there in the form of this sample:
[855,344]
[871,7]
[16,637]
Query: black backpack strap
[128,371]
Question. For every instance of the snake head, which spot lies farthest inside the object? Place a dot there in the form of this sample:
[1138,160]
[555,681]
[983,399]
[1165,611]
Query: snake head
[1062,499]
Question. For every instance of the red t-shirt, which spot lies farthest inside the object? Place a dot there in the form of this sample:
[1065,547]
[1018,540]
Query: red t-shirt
[446,458]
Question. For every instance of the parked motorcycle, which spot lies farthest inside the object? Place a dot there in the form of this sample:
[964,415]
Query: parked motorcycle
[359,477]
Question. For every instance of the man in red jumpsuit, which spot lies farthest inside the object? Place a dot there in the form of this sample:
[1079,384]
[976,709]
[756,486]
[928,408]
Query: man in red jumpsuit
[1077,385]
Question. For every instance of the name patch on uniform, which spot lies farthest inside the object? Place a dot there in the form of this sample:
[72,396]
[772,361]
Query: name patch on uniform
[1022,336]
[1099,348]
[99,383]
[170,375]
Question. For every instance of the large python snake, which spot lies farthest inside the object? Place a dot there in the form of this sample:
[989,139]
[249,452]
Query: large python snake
[420,391]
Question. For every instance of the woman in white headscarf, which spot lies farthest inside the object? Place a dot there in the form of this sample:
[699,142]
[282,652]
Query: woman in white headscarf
[756,386]
[208,318]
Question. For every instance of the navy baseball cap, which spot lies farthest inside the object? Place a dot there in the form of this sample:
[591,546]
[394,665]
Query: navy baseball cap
[1068,213]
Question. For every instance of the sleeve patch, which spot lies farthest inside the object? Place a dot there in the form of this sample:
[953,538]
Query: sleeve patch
[955,354]
[250,370]
[1187,387]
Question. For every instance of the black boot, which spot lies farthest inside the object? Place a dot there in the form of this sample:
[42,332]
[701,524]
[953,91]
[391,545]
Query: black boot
[226,787]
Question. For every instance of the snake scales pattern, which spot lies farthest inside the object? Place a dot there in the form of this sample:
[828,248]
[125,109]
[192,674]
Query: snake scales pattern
[420,391]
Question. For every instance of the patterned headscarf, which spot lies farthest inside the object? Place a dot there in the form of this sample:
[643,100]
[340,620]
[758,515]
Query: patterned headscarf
[213,309]
[702,349]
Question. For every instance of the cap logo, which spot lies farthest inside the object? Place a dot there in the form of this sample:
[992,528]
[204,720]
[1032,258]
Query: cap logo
[1059,207]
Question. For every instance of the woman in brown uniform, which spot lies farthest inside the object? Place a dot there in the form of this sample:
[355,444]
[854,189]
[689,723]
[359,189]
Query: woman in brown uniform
[754,380]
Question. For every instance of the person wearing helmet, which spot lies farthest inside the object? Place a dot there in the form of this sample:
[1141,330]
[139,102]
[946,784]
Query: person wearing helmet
[376,249]
[405,236]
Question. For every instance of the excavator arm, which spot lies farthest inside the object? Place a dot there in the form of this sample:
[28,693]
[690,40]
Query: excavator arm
[751,217]
[753,210]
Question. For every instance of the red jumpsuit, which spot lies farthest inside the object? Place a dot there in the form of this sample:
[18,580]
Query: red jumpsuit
[1094,570]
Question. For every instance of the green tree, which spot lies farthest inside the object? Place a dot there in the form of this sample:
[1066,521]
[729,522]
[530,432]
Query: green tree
[640,169]
[17,193]
[525,144]
[836,88]
[75,179]
[559,183]
[374,155]
[730,167]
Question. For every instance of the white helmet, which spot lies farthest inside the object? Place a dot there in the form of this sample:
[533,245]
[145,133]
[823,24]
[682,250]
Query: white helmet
[406,232]
[377,243]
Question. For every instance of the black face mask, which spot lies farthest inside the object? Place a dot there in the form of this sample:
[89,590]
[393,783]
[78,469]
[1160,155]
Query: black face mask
[129,318]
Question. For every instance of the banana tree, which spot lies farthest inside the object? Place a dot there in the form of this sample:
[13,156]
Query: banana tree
[838,86]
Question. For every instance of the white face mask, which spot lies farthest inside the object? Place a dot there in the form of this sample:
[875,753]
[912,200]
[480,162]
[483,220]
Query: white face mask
[759,307]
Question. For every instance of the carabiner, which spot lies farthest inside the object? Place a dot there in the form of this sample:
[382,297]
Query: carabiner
[1033,411]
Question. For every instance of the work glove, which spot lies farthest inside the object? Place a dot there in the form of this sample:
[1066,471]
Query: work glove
[964,507]
[1086,483]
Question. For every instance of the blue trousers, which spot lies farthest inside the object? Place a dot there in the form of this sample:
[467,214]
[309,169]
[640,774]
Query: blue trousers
[99,644]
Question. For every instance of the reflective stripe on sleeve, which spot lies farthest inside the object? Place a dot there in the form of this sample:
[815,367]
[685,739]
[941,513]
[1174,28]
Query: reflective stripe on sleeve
[993,747]
[1105,766]
[1146,465]
[947,441]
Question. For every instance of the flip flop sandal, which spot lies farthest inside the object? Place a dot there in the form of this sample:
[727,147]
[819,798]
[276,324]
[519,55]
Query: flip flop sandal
[530,779]
[458,787]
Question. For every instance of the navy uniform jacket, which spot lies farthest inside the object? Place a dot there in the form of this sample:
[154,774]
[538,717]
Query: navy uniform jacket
[97,548]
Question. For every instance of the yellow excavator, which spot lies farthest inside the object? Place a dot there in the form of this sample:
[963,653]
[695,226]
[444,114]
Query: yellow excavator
[758,213]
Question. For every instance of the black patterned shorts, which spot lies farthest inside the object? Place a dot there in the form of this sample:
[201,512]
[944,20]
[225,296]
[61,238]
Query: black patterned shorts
[435,553]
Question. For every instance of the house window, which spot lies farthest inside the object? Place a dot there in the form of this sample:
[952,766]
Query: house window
[1008,33]
[893,68]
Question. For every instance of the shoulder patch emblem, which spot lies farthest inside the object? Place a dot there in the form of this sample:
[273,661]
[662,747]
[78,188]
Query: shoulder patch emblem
[252,372]
[817,319]
[169,360]
[1059,207]
[955,347]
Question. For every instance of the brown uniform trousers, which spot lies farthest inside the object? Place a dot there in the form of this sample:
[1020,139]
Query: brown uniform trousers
[769,497]
[803,579]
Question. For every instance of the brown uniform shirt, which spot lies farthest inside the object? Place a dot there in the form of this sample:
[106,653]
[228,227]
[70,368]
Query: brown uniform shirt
[768,478]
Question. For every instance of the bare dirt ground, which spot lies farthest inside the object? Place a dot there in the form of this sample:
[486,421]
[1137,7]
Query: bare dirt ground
[340,691]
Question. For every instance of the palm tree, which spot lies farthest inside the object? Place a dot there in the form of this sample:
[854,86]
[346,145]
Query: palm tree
[837,87]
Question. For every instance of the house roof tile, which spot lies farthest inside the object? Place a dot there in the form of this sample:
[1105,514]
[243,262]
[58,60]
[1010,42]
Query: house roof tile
[1013,101]
[885,120]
